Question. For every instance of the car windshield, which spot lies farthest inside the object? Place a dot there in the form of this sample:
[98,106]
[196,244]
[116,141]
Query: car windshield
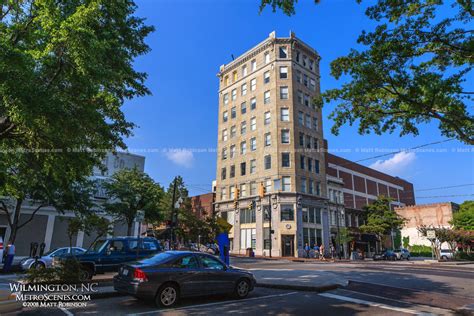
[97,246]
[157,259]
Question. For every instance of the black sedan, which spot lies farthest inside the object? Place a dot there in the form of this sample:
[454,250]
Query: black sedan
[385,255]
[168,276]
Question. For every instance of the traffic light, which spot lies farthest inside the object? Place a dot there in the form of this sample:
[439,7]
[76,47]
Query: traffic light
[262,190]
[236,204]
[237,193]
[251,205]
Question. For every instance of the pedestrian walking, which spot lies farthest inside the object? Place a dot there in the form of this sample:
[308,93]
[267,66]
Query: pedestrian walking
[9,258]
[316,251]
[321,248]
[333,252]
[306,249]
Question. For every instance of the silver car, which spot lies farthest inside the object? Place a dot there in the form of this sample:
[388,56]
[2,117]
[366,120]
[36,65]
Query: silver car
[402,254]
[47,259]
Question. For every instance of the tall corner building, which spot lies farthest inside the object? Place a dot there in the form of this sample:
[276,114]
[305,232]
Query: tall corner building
[270,135]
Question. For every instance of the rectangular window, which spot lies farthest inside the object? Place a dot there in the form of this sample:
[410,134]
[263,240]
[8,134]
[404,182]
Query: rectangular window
[232,173]
[319,238]
[310,164]
[253,166]
[268,185]
[305,80]
[253,103]
[254,65]
[318,188]
[285,136]
[244,71]
[253,144]
[298,56]
[266,77]
[266,97]
[267,58]
[242,168]
[224,153]
[243,108]
[223,193]
[233,131]
[253,123]
[223,173]
[234,76]
[283,93]
[287,212]
[267,162]
[232,151]
[243,148]
[253,84]
[301,139]
[225,116]
[306,99]
[267,118]
[303,185]
[316,165]
[311,187]
[308,120]
[268,139]
[308,141]
[226,98]
[224,135]
[243,89]
[300,118]
[315,143]
[304,214]
[284,114]
[283,72]
[300,97]
[283,52]
[285,160]
[298,76]
[266,238]
[233,112]
[311,64]
[243,127]
[226,80]
[234,94]
[317,212]
[302,162]
[243,190]
[311,215]
[315,123]
[286,184]
[304,61]
[247,216]
[253,187]
[312,84]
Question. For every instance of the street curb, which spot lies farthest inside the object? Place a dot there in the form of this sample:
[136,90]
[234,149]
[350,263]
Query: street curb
[306,288]
[467,310]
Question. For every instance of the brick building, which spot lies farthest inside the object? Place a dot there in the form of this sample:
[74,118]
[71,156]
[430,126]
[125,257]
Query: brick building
[203,205]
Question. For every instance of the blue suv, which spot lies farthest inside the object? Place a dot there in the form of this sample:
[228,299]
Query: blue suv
[108,255]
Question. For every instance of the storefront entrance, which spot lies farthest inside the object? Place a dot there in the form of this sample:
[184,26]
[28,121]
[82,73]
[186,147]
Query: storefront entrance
[288,245]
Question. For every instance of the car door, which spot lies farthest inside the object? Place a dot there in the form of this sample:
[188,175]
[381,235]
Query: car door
[114,256]
[185,271]
[215,276]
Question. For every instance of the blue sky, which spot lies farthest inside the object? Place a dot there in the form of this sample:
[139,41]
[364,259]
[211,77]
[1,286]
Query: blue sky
[194,37]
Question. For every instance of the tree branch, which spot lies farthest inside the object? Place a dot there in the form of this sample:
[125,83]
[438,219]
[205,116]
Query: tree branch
[4,208]
[31,216]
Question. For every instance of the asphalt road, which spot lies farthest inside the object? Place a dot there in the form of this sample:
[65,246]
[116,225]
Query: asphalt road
[375,288]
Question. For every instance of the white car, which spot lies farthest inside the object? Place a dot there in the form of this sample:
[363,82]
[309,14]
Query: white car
[46,260]
[445,254]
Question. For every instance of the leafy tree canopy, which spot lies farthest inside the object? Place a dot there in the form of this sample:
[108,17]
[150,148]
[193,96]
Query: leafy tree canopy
[464,217]
[413,69]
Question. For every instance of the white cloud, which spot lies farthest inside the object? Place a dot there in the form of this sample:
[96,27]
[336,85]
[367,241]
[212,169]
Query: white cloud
[395,165]
[183,157]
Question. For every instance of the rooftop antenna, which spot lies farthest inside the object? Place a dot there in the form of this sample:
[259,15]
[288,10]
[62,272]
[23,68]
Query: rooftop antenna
[232,55]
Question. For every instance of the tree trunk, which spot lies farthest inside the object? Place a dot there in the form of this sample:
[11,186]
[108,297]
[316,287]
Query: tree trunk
[129,228]
[15,222]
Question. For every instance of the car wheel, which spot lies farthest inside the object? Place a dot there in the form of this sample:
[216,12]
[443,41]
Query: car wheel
[408,258]
[242,288]
[167,296]
[444,258]
[38,265]
[86,274]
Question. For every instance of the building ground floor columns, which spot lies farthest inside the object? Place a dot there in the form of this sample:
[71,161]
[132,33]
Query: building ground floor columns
[278,225]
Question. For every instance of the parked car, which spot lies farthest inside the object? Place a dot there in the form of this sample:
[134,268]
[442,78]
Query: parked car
[402,254]
[385,255]
[108,255]
[46,261]
[446,254]
[168,276]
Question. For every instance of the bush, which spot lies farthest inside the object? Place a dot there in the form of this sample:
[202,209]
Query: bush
[68,272]
[420,251]
[465,256]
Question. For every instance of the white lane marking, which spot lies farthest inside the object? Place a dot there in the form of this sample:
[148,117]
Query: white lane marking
[65,311]
[374,304]
[230,302]
[440,310]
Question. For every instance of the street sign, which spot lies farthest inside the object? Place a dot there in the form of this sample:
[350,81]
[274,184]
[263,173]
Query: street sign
[431,234]
[140,217]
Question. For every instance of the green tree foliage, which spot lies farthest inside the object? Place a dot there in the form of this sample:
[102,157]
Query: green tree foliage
[66,69]
[464,217]
[380,219]
[406,242]
[413,69]
[130,191]
[287,6]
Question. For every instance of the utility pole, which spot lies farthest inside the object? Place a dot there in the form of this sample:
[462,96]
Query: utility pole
[174,220]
